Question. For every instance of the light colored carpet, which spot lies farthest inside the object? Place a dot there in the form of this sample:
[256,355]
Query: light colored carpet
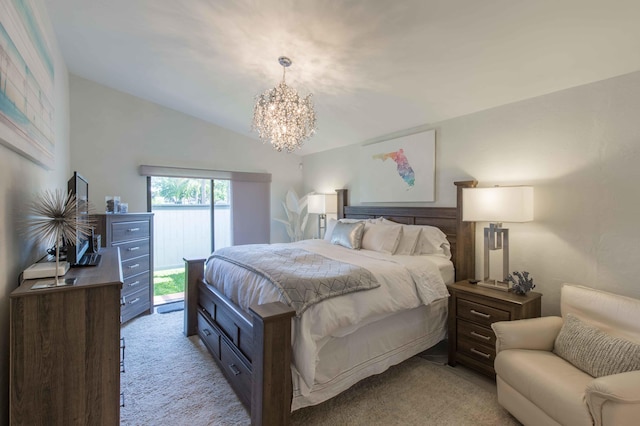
[172,380]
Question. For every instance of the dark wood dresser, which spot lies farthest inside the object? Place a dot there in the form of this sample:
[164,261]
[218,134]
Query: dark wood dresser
[133,233]
[65,348]
[472,310]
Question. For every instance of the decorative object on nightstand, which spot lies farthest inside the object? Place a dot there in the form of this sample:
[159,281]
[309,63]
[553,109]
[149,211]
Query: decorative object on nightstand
[496,205]
[321,204]
[51,219]
[524,283]
[472,310]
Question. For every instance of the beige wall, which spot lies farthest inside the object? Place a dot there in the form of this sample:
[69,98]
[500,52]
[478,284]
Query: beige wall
[112,133]
[579,148]
[20,179]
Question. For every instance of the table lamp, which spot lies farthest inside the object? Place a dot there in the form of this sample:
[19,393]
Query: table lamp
[321,204]
[496,205]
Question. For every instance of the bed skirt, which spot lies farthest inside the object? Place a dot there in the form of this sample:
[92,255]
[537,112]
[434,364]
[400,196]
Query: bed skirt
[381,344]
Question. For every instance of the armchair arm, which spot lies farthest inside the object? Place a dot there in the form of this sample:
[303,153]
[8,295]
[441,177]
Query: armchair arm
[615,399]
[534,333]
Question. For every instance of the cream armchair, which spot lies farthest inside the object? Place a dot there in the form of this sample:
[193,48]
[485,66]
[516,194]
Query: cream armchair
[540,388]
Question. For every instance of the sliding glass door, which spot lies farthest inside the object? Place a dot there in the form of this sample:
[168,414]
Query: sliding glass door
[187,224]
[197,211]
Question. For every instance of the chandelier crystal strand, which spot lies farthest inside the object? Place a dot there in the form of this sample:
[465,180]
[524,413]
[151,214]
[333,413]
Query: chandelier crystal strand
[282,117]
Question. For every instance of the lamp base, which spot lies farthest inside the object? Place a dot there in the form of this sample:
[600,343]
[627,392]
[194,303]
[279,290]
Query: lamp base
[495,285]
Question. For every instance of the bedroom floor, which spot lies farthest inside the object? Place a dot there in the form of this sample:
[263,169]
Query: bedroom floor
[171,379]
[439,355]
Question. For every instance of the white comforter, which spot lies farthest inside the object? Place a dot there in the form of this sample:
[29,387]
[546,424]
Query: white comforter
[405,283]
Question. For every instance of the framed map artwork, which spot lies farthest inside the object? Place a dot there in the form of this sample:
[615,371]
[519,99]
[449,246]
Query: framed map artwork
[26,83]
[399,170]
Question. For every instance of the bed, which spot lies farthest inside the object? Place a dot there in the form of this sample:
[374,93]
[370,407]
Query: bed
[280,358]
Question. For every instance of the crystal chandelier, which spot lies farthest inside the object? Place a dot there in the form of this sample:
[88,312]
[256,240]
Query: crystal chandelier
[282,117]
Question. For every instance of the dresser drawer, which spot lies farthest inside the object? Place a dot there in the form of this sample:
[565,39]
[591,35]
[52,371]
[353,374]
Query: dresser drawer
[135,283]
[135,266]
[237,372]
[132,249]
[135,303]
[479,351]
[476,333]
[209,335]
[126,231]
[480,314]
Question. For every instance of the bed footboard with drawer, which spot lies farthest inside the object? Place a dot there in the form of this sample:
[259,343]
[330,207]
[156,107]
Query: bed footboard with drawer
[253,351]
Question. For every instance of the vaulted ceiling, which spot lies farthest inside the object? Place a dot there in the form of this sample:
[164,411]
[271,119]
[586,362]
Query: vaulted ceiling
[374,66]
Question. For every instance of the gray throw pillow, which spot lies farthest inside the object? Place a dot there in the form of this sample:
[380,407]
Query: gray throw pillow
[348,235]
[594,351]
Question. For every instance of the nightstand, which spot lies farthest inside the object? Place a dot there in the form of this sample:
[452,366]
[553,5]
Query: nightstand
[472,310]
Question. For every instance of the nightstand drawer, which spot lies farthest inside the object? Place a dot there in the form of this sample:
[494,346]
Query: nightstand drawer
[472,310]
[478,351]
[480,314]
[476,333]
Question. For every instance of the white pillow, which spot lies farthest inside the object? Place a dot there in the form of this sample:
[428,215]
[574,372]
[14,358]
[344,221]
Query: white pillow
[408,240]
[381,237]
[432,241]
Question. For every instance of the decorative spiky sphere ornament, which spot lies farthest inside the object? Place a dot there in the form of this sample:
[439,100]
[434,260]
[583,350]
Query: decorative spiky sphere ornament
[54,216]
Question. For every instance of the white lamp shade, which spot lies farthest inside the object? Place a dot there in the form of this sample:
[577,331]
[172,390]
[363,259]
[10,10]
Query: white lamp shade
[498,204]
[322,203]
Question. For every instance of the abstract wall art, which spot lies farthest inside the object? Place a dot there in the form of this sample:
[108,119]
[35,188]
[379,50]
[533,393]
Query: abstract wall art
[399,170]
[26,83]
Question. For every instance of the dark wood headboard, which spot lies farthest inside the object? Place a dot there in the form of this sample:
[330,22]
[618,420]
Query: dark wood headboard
[461,235]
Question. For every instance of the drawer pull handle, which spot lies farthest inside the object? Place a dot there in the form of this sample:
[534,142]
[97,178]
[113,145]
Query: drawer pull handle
[133,229]
[136,300]
[480,314]
[482,354]
[134,283]
[482,336]
[235,370]
[133,266]
[122,301]
[206,332]
[133,248]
